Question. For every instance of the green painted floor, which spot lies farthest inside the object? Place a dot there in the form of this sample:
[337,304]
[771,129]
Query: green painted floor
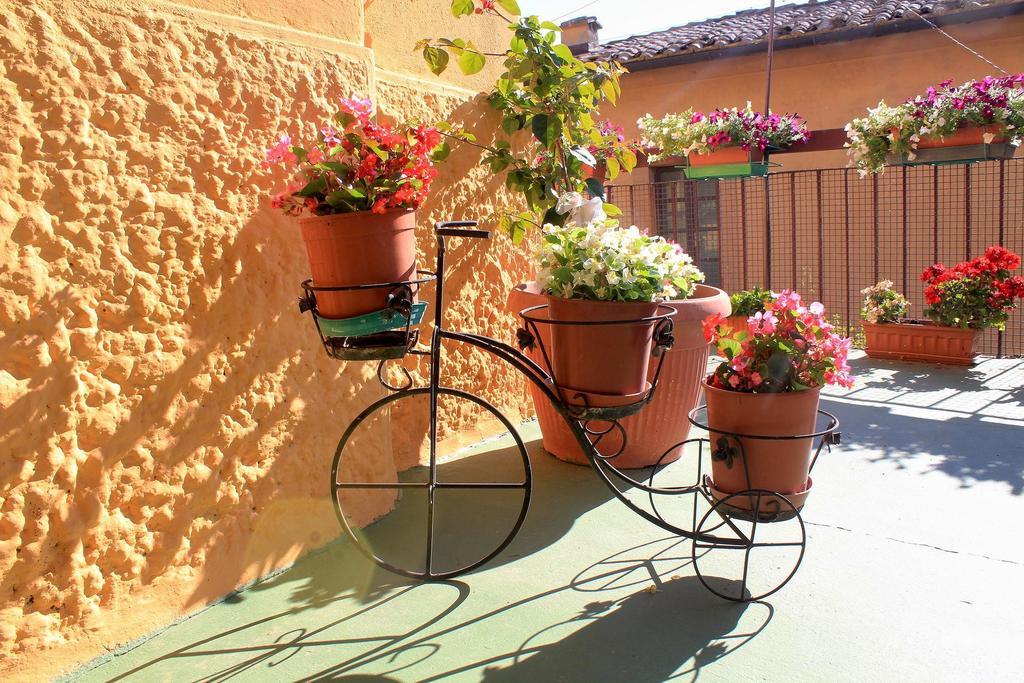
[913,571]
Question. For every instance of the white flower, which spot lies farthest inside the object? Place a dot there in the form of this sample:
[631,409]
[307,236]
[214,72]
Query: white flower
[588,211]
[568,202]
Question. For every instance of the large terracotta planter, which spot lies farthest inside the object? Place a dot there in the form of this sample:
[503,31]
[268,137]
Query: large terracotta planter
[780,466]
[921,341]
[358,248]
[600,359]
[662,423]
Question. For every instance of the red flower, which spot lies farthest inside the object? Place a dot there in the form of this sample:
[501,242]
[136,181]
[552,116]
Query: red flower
[711,324]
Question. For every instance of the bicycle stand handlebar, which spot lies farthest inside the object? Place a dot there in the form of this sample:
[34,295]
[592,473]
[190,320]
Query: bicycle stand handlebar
[457,229]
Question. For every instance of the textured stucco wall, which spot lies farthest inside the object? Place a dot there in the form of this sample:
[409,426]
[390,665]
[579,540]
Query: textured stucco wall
[168,418]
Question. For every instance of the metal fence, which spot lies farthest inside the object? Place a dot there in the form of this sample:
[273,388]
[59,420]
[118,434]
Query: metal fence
[829,233]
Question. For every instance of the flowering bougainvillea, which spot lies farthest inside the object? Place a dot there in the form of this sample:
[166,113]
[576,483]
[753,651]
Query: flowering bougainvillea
[790,347]
[607,137]
[356,164]
[605,262]
[883,304]
[695,132]
[940,112]
[978,293]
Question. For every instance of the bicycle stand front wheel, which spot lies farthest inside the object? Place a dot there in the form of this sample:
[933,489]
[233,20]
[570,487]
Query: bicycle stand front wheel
[441,521]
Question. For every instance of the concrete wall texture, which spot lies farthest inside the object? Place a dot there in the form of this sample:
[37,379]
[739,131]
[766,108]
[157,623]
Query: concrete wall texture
[168,418]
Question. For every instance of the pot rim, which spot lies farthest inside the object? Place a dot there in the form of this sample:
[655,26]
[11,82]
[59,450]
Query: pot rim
[347,215]
[707,385]
[923,323]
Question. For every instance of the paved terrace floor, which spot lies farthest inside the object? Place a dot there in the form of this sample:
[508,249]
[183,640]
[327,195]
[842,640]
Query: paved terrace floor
[914,571]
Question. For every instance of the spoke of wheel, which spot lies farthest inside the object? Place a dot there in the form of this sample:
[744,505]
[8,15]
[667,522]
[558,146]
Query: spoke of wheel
[775,545]
[480,485]
[430,530]
[380,485]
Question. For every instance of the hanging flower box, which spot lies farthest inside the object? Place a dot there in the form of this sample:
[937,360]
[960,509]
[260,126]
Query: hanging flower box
[975,121]
[966,144]
[725,143]
[726,162]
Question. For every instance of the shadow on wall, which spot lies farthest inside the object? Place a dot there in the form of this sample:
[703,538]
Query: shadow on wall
[968,417]
[301,515]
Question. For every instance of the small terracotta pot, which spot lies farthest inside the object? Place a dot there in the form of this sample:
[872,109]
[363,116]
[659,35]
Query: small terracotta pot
[780,466]
[738,323]
[725,155]
[966,135]
[358,248]
[662,423]
[921,341]
[598,172]
[600,359]
[769,504]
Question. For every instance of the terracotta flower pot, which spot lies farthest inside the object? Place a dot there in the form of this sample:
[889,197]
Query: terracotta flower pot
[780,466]
[358,248]
[598,172]
[600,359]
[966,135]
[738,322]
[662,423]
[922,341]
[725,155]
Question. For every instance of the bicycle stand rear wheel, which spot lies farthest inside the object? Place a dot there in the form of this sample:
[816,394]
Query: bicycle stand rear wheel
[752,555]
[445,521]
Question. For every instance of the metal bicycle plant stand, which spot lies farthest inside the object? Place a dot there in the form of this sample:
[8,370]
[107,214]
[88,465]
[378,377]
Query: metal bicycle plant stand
[722,528]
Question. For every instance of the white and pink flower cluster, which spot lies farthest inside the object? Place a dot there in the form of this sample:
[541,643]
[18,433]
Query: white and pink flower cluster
[788,347]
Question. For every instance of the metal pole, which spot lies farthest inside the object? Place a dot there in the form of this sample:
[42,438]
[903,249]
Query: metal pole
[771,54]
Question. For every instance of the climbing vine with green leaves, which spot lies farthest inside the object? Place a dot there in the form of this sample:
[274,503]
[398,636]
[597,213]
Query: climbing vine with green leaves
[552,95]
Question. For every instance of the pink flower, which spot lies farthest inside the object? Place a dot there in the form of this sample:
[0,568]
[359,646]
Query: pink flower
[734,381]
[360,107]
[762,323]
[315,156]
[282,151]
[817,308]
[787,299]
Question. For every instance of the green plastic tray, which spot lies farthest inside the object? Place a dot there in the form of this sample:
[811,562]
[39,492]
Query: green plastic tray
[748,170]
[370,323]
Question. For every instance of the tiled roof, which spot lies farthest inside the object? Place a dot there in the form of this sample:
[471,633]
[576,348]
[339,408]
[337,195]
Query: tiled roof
[751,26]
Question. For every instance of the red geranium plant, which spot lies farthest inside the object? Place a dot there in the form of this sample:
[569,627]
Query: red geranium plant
[357,164]
[976,294]
[789,347]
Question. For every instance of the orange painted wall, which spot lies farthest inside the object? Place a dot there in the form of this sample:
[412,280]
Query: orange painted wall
[168,416]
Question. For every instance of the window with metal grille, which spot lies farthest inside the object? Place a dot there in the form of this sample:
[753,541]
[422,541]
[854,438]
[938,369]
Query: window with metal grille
[687,212]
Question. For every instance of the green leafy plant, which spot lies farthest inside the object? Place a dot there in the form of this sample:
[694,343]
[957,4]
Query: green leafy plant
[750,301]
[544,92]
[883,304]
[605,262]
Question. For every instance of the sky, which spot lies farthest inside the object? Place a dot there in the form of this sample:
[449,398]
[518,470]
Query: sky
[621,18]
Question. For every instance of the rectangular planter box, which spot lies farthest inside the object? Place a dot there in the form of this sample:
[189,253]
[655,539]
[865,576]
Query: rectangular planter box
[921,341]
[726,162]
[960,154]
